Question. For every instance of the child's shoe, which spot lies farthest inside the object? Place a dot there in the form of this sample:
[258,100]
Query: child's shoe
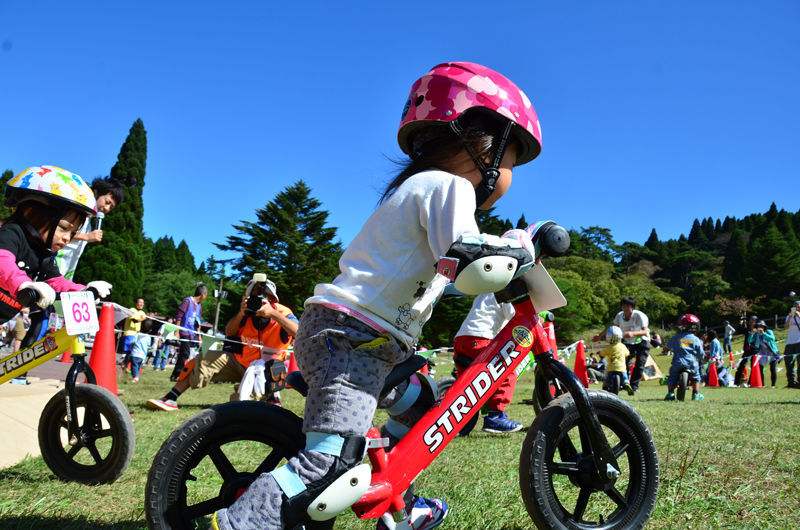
[497,422]
[629,389]
[670,396]
[698,396]
[425,514]
[135,380]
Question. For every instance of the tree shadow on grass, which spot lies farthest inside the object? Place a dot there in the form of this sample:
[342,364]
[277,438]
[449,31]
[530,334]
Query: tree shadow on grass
[80,523]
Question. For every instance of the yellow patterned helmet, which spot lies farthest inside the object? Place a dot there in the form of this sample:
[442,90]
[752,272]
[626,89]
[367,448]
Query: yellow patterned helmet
[52,186]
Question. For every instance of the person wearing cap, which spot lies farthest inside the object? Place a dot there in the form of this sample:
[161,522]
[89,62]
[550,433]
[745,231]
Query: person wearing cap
[729,331]
[792,349]
[747,351]
[262,324]
[763,344]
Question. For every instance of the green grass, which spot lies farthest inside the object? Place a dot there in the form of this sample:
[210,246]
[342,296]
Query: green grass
[727,462]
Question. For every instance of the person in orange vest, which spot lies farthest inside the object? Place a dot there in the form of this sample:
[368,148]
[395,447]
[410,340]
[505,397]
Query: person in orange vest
[261,325]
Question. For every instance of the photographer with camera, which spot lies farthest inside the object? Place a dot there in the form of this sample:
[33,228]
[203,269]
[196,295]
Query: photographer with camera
[792,350]
[261,327]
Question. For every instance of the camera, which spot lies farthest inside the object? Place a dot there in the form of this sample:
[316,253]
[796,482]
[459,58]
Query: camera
[254,302]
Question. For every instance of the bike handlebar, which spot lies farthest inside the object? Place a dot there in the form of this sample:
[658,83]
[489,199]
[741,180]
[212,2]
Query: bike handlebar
[29,296]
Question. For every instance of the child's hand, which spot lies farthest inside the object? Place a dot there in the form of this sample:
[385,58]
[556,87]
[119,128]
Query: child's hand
[46,293]
[103,288]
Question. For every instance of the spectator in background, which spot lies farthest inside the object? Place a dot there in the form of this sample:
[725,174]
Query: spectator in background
[635,336]
[141,345]
[131,327]
[21,324]
[188,318]
[729,331]
[596,370]
[763,345]
[715,352]
[272,327]
[792,349]
[747,351]
[108,193]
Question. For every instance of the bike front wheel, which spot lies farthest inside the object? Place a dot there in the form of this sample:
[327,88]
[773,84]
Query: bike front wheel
[213,457]
[683,384]
[104,445]
[558,476]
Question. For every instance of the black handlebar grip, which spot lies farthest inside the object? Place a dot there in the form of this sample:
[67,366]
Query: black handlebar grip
[27,297]
[554,241]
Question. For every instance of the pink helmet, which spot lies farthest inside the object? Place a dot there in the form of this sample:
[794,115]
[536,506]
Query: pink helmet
[451,89]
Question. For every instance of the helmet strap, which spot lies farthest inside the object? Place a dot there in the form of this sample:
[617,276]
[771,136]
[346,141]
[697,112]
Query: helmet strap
[489,173]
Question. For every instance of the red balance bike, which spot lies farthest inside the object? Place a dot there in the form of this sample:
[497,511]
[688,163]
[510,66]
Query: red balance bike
[588,460]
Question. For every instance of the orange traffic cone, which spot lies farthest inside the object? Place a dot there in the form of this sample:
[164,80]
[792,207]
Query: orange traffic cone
[730,360]
[66,357]
[580,364]
[103,359]
[755,374]
[292,363]
[713,379]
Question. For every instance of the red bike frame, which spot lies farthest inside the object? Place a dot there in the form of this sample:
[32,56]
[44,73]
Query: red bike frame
[394,471]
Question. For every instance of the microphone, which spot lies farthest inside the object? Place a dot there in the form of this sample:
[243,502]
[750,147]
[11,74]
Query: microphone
[100,216]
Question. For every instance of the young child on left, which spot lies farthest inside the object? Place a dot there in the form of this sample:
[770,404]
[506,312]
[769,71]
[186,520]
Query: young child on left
[615,356]
[141,345]
[50,205]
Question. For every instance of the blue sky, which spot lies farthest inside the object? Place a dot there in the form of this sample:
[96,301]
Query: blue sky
[653,113]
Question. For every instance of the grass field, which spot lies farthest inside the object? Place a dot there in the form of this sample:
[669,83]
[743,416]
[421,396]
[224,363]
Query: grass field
[730,461]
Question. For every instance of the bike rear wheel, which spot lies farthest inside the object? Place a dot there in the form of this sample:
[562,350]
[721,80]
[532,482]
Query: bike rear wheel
[213,457]
[443,385]
[683,384]
[106,439]
[557,475]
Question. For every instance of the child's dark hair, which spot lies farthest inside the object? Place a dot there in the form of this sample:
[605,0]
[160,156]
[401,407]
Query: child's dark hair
[40,215]
[109,186]
[435,146]
[711,334]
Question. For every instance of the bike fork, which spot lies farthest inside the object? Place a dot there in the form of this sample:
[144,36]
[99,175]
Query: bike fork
[603,455]
[79,365]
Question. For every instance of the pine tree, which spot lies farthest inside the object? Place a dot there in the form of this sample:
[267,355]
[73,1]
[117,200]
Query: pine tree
[164,258]
[4,210]
[184,258]
[290,242]
[118,259]
[697,238]
[652,242]
[735,258]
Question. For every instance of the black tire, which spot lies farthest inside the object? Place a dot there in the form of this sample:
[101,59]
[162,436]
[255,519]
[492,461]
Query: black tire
[443,385]
[107,437]
[553,468]
[683,384]
[218,452]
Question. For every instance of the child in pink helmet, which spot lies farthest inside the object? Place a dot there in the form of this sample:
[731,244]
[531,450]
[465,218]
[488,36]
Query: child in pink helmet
[464,128]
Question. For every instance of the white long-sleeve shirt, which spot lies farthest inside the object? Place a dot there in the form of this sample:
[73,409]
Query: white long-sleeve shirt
[391,262]
[486,317]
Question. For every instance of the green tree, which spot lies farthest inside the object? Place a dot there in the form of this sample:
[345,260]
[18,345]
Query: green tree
[290,242]
[773,268]
[184,258]
[164,258]
[118,258]
[4,210]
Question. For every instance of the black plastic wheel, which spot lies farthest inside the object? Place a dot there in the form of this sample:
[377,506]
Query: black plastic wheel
[443,384]
[556,472]
[102,451]
[209,460]
[614,385]
[683,384]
